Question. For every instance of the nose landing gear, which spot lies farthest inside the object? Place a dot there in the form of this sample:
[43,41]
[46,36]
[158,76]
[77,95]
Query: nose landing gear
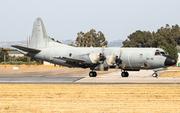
[154,74]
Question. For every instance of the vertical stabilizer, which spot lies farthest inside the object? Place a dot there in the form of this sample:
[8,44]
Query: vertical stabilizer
[39,38]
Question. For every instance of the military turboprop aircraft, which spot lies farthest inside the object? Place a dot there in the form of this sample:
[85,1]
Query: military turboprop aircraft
[42,47]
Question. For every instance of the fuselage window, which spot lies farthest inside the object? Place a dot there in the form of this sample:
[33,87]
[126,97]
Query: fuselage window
[140,55]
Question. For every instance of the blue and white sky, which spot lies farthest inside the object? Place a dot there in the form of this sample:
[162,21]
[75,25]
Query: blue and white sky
[63,19]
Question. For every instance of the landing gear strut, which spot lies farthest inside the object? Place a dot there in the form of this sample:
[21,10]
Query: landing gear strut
[92,74]
[124,74]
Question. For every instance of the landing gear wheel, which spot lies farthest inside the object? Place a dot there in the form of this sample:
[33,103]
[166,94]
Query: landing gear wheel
[124,74]
[92,74]
[154,74]
[127,74]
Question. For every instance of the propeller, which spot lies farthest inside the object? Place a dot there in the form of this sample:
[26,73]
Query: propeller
[118,61]
[102,59]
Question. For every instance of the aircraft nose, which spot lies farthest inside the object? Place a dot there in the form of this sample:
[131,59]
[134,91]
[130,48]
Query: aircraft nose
[170,61]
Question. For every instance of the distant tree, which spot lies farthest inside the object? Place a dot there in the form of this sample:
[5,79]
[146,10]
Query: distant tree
[163,37]
[97,39]
[24,59]
[2,53]
[139,38]
[172,50]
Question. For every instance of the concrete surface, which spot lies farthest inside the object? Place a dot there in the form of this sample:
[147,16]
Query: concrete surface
[80,76]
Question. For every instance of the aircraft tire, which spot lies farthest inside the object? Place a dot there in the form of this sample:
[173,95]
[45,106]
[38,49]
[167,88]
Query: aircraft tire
[154,74]
[123,74]
[94,74]
[91,74]
[127,74]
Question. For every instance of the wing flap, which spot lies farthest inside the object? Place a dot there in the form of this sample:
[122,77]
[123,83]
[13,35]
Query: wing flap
[26,49]
[70,59]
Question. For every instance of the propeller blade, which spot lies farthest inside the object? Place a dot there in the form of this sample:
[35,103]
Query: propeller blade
[103,50]
[104,66]
[116,69]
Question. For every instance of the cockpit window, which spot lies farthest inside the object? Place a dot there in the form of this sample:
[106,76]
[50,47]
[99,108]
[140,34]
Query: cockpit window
[157,52]
[163,53]
[160,52]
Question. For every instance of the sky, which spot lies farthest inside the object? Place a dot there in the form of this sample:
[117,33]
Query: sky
[63,19]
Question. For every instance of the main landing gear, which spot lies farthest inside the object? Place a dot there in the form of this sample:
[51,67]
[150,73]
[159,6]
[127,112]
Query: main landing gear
[124,74]
[92,74]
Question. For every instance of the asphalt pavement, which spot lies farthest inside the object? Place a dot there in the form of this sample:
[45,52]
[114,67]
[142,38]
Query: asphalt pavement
[80,76]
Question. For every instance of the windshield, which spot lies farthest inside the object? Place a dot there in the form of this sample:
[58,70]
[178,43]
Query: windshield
[157,52]
[160,52]
[163,53]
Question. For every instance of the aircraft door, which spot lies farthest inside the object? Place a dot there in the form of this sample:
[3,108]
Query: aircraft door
[141,60]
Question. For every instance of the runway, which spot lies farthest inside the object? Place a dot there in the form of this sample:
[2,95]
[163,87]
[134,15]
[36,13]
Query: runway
[58,77]
[34,80]
[89,80]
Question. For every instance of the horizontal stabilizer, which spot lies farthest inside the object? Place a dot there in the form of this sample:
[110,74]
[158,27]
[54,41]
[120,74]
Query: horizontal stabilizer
[26,49]
[70,59]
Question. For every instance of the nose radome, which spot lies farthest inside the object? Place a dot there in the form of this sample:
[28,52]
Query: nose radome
[170,61]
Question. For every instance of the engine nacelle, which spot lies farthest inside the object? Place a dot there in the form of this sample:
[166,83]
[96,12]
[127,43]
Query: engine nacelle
[94,57]
[110,60]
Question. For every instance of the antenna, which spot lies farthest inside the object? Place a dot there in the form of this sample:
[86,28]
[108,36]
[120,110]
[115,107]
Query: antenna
[91,40]
[79,43]
[86,43]
[27,41]
[82,43]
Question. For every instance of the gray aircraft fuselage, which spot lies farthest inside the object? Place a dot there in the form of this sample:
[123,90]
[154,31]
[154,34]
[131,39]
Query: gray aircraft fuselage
[132,58]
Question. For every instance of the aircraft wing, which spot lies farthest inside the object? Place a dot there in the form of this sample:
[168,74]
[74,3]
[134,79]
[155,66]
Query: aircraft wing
[26,49]
[70,59]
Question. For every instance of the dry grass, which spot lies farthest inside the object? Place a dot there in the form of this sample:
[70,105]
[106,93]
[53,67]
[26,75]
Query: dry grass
[171,68]
[67,98]
[31,66]
[170,74]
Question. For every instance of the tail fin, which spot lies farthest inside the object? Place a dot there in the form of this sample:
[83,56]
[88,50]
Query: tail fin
[39,38]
